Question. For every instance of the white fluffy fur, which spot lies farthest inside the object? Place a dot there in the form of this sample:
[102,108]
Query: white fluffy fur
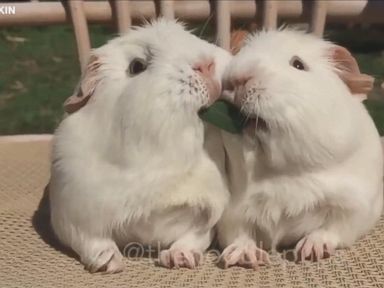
[130,165]
[316,174]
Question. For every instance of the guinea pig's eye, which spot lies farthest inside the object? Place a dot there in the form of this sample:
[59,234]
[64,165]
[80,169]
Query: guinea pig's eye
[137,66]
[297,63]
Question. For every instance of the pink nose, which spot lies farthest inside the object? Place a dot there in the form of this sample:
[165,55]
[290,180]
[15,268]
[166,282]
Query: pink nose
[206,68]
[207,71]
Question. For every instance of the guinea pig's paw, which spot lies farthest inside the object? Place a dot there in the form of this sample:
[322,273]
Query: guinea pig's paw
[245,255]
[179,258]
[314,246]
[108,261]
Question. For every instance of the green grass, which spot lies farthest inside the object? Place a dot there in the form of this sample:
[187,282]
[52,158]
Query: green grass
[37,75]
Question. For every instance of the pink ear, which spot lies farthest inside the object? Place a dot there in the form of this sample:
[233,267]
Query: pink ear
[86,88]
[237,40]
[348,70]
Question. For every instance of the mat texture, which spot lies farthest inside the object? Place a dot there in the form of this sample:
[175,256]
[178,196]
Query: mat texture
[30,257]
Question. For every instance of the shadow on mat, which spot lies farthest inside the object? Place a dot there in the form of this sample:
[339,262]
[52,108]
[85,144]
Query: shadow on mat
[42,225]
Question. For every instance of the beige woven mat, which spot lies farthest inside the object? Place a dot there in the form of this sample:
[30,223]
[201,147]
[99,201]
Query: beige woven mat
[27,260]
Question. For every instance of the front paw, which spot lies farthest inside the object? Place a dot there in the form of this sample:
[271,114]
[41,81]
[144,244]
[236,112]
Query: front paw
[245,255]
[315,246]
[108,261]
[178,258]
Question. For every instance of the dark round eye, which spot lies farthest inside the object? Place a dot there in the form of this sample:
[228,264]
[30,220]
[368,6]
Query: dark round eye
[297,63]
[137,66]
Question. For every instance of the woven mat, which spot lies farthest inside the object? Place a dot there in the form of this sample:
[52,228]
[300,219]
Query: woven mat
[30,257]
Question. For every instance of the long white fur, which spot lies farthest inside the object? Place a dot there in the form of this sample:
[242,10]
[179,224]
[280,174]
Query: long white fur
[317,173]
[131,164]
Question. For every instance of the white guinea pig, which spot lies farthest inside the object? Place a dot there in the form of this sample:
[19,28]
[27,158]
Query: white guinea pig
[308,171]
[129,163]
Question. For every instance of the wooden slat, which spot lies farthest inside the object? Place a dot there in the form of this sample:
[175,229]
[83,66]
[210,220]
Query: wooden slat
[318,17]
[122,14]
[244,7]
[81,30]
[43,13]
[192,10]
[270,14]
[167,9]
[223,23]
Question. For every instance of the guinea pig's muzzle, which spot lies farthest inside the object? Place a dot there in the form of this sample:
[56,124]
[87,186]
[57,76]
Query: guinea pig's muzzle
[244,96]
[206,70]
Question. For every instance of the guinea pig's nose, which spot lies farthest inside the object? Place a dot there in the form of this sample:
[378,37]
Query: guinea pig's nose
[206,68]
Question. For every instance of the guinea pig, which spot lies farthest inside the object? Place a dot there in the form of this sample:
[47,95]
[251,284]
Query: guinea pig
[129,162]
[308,170]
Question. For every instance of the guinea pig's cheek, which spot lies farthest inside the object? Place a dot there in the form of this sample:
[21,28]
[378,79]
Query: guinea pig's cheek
[239,96]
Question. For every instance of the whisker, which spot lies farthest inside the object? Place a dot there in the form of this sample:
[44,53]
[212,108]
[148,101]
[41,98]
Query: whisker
[245,112]
[242,108]
[257,106]
[205,25]
[217,41]
[245,119]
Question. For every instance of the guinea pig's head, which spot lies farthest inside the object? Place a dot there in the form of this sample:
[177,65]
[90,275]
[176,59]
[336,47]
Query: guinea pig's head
[296,89]
[152,74]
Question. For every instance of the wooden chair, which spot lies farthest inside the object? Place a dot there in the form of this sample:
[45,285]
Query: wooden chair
[29,254]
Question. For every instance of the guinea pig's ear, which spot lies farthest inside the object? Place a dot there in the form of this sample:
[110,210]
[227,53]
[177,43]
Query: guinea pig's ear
[237,40]
[348,70]
[87,86]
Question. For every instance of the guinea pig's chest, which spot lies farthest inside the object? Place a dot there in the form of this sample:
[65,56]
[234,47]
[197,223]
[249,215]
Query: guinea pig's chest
[273,199]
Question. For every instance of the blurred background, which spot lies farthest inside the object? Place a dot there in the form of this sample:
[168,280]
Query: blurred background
[39,66]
